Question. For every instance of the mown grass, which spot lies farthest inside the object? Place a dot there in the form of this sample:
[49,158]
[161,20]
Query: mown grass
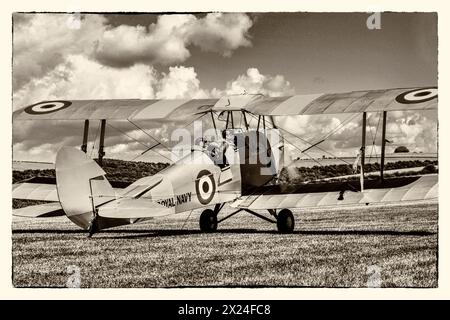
[343,247]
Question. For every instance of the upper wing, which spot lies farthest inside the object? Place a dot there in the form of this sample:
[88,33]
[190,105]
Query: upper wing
[422,98]
[330,103]
[132,109]
[424,188]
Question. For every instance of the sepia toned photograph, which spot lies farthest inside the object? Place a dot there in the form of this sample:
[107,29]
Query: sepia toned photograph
[225,150]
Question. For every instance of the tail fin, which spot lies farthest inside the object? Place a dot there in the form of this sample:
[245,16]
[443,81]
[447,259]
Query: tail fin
[81,186]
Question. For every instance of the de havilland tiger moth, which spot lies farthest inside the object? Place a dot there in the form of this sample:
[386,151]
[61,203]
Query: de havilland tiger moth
[240,167]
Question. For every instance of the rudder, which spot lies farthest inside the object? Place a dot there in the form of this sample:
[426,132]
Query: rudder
[81,185]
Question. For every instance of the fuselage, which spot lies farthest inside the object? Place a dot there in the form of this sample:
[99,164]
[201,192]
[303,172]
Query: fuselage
[199,179]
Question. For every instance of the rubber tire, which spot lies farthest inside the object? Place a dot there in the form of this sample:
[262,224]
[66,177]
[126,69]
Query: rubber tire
[285,221]
[208,221]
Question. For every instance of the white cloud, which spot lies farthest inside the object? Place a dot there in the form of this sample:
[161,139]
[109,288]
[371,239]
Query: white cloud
[221,33]
[415,130]
[167,40]
[180,82]
[44,41]
[80,78]
[254,82]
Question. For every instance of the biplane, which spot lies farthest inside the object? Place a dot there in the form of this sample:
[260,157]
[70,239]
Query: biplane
[228,170]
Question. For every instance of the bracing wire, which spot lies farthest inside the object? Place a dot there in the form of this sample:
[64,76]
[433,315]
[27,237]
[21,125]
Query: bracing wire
[140,142]
[340,126]
[184,223]
[127,135]
[158,141]
[293,143]
[374,138]
[307,142]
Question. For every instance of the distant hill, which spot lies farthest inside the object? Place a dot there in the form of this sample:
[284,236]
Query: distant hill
[126,172]
[116,170]
[302,174]
[31,165]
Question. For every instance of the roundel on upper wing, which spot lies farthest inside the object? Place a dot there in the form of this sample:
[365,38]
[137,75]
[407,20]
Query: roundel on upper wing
[47,107]
[417,95]
[205,187]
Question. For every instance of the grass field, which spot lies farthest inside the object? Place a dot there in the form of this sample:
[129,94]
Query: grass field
[388,246]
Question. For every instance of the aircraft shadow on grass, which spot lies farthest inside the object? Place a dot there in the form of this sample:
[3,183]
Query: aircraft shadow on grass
[139,233]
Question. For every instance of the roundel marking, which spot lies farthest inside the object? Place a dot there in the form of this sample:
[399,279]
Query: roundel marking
[417,95]
[205,186]
[47,107]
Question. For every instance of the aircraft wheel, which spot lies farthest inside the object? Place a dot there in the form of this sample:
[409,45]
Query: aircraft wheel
[285,221]
[208,221]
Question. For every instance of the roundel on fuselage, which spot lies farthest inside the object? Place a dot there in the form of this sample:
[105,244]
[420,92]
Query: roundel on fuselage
[205,186]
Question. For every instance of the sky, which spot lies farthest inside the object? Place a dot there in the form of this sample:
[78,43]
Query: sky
[91,56]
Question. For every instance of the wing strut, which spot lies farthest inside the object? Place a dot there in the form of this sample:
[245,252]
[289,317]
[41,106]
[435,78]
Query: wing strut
[383,146]
[363,148]
[85,136]
[363,141]
[101,153]
[245,119]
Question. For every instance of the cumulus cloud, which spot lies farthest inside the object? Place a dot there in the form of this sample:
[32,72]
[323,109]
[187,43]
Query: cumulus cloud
[180,83]
[221,33]
[415,130]
[167,40]
[43,41]
[255,82]
[80,78]
[163,42]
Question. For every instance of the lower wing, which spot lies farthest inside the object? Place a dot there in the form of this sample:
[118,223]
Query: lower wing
[34,191]
[426,187]
[52,209]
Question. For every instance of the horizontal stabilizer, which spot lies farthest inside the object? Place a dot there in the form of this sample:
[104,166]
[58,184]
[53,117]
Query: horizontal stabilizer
[40,211]
[39,191]
[133,208]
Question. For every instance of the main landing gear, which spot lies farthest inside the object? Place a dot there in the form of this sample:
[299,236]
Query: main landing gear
[284,219]
[208,221]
